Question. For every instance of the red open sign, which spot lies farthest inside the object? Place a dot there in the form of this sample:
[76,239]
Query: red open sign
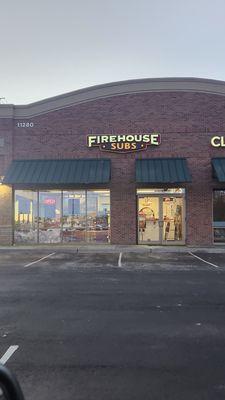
[49,201]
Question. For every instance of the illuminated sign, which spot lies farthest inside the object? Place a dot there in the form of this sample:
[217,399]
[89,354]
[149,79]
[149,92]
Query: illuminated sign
[218,141]
[49,202]
[124,143]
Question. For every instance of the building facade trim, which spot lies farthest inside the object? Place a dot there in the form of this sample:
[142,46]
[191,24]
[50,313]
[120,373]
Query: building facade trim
[93,93]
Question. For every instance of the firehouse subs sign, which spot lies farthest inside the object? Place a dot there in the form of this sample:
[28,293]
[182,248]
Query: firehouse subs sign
[124,143]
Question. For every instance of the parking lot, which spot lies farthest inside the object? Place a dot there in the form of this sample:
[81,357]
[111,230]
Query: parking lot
[114,324]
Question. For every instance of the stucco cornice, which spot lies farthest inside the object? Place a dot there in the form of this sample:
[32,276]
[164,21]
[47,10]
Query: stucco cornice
[92,93]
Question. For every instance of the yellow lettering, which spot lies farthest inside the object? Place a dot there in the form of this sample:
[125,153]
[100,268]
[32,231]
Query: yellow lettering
[104,139]
[214,141]
[121,138]
[91,140]
[155,139]
[146,138]
[112,138]
[130,138]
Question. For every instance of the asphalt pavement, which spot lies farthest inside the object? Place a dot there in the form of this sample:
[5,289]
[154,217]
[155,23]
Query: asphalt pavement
[114,324]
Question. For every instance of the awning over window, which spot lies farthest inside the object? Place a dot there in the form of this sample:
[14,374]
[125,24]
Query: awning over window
[218,165]
[162,170]
[58,172]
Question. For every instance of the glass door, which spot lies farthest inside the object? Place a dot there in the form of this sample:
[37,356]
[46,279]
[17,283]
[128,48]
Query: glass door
[161,219]
[148,219]
[173,220]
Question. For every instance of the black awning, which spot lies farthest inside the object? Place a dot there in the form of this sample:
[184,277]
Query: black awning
[162,170]
[218,165]
[58,172]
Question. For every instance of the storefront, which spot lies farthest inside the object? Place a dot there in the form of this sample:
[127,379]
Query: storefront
[54,208]
[134,162]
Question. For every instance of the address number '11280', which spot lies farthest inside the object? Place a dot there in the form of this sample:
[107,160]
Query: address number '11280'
[25,124]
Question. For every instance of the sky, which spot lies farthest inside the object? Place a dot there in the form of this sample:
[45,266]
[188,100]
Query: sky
[51,47]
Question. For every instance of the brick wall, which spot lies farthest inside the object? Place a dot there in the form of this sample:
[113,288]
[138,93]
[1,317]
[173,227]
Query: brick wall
[6,149]
[186,121]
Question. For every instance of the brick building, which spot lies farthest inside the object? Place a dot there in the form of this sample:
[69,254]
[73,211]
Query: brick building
[139,161]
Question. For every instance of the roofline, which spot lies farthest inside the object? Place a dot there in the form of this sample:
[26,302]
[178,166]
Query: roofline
[186,84]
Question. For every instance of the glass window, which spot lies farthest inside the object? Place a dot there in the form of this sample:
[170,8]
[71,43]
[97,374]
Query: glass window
[50,216]
[62,216]
[219,215]
[74,216]
[98,216]
[25,216]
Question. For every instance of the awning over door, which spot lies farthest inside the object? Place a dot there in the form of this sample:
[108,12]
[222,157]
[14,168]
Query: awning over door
[162,170]
[219,168]
[58,172]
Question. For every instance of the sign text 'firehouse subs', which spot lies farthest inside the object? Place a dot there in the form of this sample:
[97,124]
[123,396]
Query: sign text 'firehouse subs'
[124,143]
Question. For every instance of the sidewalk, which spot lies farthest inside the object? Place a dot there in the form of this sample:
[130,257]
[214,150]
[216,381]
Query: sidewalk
[107,248]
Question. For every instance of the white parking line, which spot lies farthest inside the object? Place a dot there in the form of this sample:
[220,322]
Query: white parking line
[40,259]
[207,262]
[119,261]
[8,354]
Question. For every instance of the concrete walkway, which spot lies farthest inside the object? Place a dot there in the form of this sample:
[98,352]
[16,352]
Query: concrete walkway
[107,248]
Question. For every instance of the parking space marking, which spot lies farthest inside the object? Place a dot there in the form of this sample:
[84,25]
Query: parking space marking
[8,354]
[40,259]
[119,261]
[207,262]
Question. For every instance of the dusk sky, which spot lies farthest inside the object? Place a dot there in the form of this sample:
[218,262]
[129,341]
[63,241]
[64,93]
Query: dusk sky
[50,47]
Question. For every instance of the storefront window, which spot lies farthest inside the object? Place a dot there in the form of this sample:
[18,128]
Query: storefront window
[98,216]
[219,215]
[74,216]
[50,216]
[54,216]
[25,216]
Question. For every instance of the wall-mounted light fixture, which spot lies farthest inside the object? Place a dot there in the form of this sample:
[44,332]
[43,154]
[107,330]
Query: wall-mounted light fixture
[1,179]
